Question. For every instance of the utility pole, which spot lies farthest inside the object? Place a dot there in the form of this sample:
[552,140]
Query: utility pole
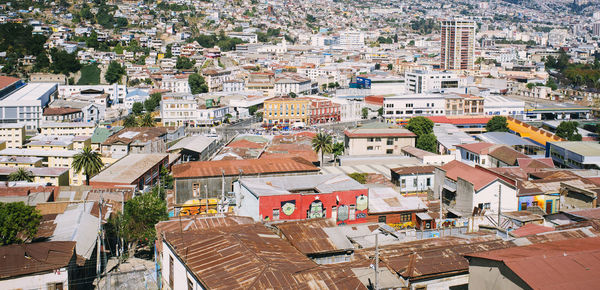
[99,241]
[376,261]
[206,194]
[223,210]
[499,203]
[441,205]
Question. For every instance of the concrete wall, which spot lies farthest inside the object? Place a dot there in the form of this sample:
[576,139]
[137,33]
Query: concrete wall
[359,146]
[487,274]
[246,203]
[464,197]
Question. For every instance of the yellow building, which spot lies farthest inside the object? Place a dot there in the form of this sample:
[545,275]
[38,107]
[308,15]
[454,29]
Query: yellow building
[20,161]
[13,134]
[67,128]
[50,159]
[285,111]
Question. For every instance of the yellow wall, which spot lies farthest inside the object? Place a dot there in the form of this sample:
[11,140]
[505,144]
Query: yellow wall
[281,109]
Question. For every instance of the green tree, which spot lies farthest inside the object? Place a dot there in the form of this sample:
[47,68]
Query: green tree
[568,130]
[130,121]
[88,161]
[137,108]
[390,66]
[497,124]
[140,215]
[420,126]
[184,63]
[18,221]
[338,149]
[427,142]
[114,72]
[292,95]
[147,120]
[252,110]
[360,177]
[42,62]
[365,113]
[197,84]
[377,66]
[21,174]
[322,143]
[150,105]
[64,62]
[380,111]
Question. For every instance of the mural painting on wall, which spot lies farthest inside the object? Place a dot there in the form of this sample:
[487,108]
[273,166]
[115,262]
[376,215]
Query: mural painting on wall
[342,214]
[288,207]
[362,202]
[316,210]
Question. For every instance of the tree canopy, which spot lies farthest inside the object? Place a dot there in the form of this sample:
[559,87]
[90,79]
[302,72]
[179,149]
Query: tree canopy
[497,124]
[64,62]
[18,222]
[89,162]
[427,142]
[322,143]
[568,130]
[21,174]
[420,126]
[140,216]
[197,84]
[114,72]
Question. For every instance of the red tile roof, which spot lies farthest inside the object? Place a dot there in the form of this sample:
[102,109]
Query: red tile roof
[459,121]
[479,178]
[248,167]
[7,81]
[567,264]
[530,229]
[243,143]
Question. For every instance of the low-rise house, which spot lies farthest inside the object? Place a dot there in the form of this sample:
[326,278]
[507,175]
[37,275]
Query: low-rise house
[565,264]
[302,197]
[367,141]
[387,206]
[465,190]
[427,157]
[195,148]
[136,140]
[49,265]
[140,170]
[194,180]
[62,114]
[488,154]
[413,179]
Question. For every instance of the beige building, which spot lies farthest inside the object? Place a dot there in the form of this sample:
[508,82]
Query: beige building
[48,78]
[380,141]
[13,134]
[285,111]
[68,128]
[50,159]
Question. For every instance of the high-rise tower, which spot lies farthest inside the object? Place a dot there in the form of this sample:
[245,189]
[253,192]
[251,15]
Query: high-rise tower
[458,44]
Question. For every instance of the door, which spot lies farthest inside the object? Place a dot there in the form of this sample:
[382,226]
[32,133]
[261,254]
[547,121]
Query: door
[548,207]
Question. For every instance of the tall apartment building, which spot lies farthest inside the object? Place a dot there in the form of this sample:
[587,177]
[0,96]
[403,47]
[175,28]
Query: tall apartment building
[458,44]
[596,29]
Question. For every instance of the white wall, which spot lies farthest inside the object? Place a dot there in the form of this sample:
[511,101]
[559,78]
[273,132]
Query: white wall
[37,281]
[246,202]
[490,194]
[180,273]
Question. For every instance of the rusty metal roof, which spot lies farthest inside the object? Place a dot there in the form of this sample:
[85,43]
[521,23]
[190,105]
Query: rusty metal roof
[236,257]
[568,264]
[24,259]
[309,237]
[248,167]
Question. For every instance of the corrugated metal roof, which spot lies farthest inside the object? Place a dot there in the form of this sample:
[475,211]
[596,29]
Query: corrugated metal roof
[247,167]
[569,264]
[24,259]
[309,236]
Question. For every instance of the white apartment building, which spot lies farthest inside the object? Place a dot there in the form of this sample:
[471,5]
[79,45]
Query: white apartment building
[13,135]
[402,107]
[179,110]
[68,128]
[215,78]
[292,84]
[25,104]
[115,92]
[457,44]
[421,81]
[352,39]
[175,84]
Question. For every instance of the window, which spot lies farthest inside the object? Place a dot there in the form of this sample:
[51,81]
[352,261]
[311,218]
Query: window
[484,205]
[275,214]
[390,141]
[415,182]
[381,219]
[196,189]
[403,183]
[377,139]
[55,286]
[369,148]
[370,139]
[405,217]
[428,181]
[523,206]
[389,151]
[190,284]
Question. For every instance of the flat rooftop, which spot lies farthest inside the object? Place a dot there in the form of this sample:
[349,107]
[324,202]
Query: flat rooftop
[582,148]
[37,152]
[28,95]
[66,124]
[129,168]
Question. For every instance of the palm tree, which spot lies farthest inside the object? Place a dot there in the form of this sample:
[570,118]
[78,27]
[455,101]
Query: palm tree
[130,121]
[323,143]
[147,120]
[21,174]
[89,162]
